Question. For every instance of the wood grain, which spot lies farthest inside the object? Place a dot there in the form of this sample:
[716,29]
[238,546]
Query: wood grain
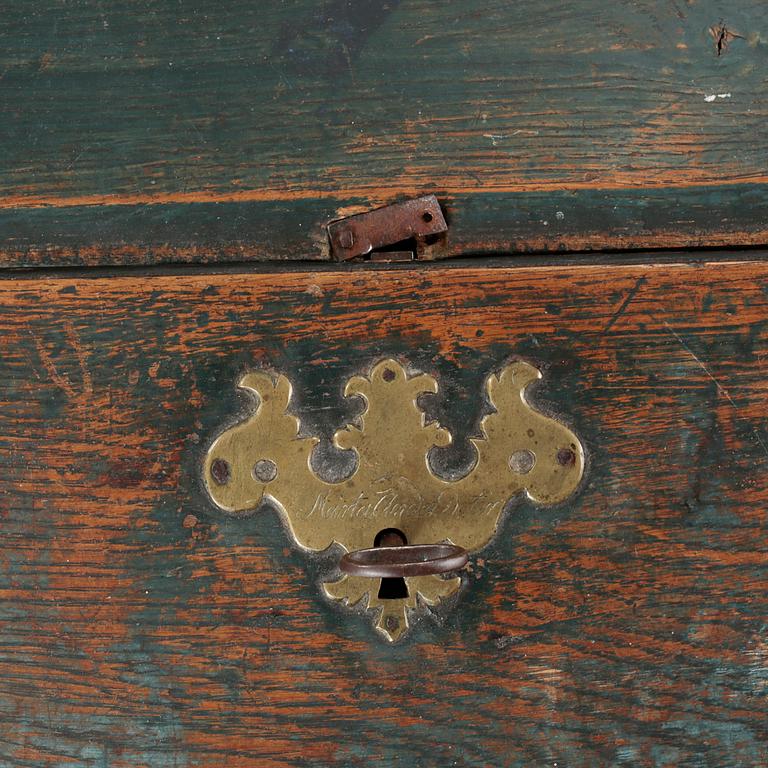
[141,627]
[153,131]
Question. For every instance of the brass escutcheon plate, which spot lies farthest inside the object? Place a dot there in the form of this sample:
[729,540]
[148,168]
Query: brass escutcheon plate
[264,458]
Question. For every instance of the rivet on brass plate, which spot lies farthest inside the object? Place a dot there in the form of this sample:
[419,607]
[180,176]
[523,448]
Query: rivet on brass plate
[393,488]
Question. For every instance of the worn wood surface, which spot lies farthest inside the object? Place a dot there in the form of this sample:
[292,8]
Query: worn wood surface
[162,131]
[141,627]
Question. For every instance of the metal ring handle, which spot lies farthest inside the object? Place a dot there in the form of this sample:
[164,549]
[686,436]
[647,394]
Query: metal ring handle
[407,560]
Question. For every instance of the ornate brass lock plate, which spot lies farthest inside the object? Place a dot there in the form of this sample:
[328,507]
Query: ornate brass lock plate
[393,486]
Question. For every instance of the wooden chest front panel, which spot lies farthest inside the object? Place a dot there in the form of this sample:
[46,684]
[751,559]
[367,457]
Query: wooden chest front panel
[139,626]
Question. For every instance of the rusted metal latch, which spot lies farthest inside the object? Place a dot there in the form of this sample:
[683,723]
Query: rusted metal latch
[419,224]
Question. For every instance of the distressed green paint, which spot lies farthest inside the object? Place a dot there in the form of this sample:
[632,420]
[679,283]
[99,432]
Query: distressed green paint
[480,223]
[507,676]
[156,131]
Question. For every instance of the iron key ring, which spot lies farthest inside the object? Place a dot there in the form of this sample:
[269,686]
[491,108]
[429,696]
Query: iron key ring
[405,560]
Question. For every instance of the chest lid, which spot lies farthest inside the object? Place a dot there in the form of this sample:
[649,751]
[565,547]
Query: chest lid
[156,132]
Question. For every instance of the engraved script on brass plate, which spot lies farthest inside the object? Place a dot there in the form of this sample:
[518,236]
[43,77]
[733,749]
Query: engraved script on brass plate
[393,486]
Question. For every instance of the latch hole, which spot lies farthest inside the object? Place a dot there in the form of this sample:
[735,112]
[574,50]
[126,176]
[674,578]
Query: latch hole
[391,588]
[403,250]
[427,216]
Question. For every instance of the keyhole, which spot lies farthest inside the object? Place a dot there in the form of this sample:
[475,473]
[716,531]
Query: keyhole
[392,588]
